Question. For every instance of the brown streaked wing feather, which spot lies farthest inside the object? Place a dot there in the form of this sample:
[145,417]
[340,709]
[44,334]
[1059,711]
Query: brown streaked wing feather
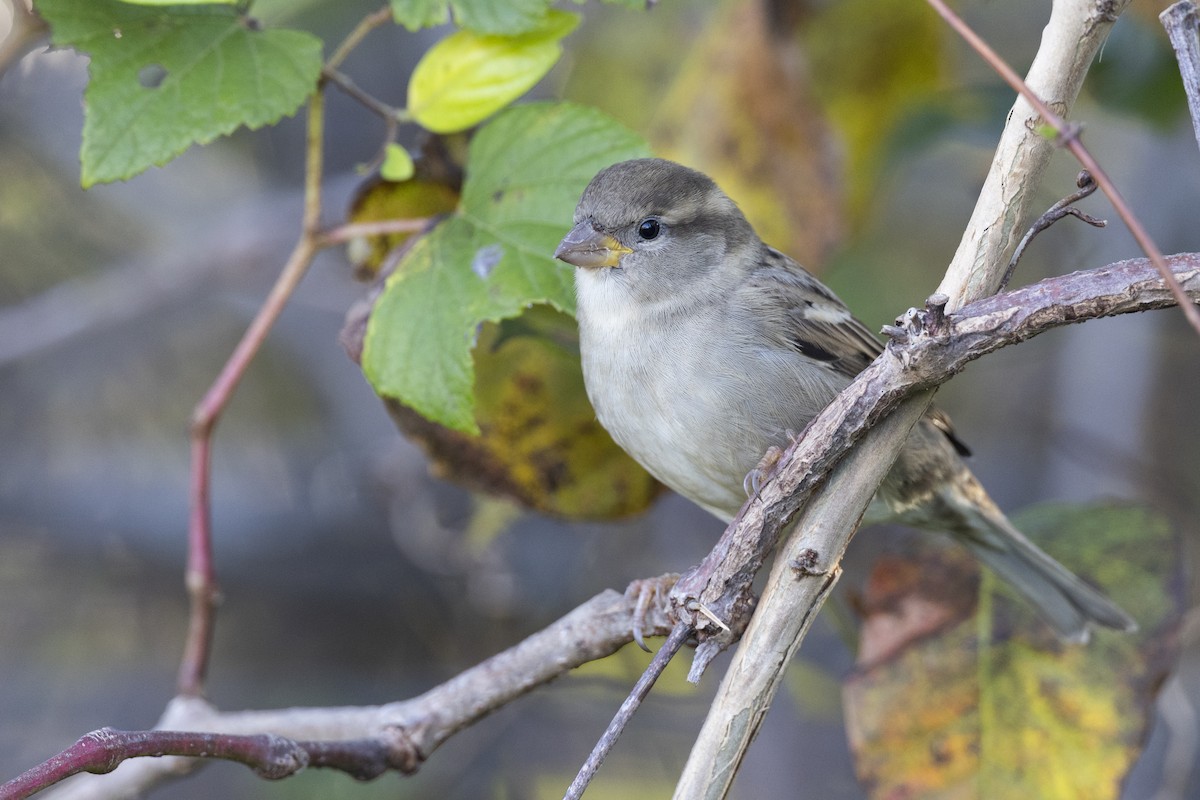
[819,325]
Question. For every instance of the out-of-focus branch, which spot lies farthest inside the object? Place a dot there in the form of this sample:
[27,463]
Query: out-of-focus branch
[1183,29]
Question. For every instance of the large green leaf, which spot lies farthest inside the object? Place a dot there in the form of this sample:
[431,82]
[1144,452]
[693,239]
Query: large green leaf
[492,258]
[164,78]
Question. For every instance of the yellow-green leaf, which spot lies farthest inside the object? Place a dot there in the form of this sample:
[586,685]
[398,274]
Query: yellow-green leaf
[467,76]
[397,164]
[539,442]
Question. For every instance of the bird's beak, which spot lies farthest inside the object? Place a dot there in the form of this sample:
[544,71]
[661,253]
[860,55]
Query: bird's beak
[589,248]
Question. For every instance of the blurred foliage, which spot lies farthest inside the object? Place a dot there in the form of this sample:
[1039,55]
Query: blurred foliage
[741,110]
[950,703]
[870,61]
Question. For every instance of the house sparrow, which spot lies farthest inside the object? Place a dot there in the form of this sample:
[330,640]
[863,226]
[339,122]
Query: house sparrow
[703,347]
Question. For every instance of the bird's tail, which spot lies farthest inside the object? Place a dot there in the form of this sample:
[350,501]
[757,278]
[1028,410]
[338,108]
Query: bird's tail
[1061,597]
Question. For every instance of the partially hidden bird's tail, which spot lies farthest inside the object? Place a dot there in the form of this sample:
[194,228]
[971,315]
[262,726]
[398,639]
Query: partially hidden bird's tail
[1060,596]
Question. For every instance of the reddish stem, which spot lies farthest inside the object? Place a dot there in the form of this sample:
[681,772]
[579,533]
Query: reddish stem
[201,576]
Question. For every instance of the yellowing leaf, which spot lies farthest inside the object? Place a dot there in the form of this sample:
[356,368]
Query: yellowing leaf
[467,76]
[742,111]
[539,442]
[949,705]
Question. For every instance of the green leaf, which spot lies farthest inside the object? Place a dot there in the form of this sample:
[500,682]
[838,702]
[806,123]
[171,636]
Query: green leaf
[467,77]
[417,14]
[180,2]
[163,79]
[492,258]
[539,442]
[397,164]
[507,17]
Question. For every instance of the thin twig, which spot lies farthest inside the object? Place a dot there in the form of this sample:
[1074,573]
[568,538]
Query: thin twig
[679,635]
[373,104]
[369,23]
[1182,23]
[1069,134]
[1056,212]
[391,116]
[384,227]
[201,578]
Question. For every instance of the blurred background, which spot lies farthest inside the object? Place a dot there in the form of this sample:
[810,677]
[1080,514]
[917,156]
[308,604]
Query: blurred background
[861,133]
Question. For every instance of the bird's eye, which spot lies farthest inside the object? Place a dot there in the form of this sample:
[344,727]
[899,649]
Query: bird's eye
[649,229]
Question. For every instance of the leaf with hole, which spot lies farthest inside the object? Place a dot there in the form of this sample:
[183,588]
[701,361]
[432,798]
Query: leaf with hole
[164,78]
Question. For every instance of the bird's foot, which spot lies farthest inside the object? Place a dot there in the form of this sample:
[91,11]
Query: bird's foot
[649,592]
[756,477]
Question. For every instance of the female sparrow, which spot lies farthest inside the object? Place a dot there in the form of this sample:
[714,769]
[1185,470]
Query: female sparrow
[702,347]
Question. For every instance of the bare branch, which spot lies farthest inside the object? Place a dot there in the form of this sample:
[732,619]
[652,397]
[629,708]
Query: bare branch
[406,732]
[641,689]
[1087,186]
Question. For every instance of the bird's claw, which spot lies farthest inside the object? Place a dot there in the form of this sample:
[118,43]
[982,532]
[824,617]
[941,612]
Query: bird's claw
[756,477]
[647,591]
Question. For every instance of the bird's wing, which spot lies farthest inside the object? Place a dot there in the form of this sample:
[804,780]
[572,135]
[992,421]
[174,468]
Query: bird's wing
[800,312]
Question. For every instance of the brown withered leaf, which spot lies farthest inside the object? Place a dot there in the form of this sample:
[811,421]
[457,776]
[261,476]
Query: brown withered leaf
[741,110]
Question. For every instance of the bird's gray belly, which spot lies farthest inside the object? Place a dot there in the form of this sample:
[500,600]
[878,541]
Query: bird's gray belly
[697,429]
